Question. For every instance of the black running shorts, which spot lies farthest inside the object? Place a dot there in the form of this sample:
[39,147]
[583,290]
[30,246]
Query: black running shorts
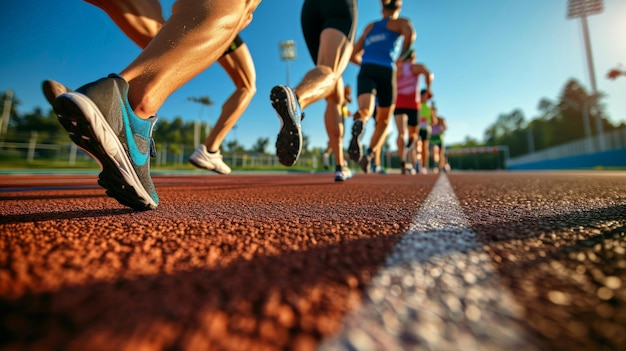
[378,80]
[411,112]
[237,42]
[424,134]
[318,15]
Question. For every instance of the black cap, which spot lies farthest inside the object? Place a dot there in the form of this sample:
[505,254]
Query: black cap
[392,4]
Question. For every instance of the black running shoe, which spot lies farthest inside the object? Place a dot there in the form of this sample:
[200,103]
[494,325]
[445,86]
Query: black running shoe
[101,122]
[355,149]
[289,140]
[364,162]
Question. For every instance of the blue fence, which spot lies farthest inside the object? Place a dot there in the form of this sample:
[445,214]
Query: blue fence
[594,152]
[613,158]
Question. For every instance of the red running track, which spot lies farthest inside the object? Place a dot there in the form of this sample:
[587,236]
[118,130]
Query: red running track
[270,262]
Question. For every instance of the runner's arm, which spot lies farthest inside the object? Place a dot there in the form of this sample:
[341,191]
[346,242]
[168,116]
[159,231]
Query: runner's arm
[408,32]
[357,52]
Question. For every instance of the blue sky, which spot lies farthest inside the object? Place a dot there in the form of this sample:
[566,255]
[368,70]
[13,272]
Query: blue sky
[488,56]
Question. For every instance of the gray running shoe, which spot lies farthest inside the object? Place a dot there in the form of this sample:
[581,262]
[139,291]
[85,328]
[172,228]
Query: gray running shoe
[355,149]
[289,140]
[101,122]
[343,175]
[201,158]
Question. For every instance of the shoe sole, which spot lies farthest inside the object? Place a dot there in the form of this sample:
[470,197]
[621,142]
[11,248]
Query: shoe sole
[365,164]
[355,149]
[289,140]
[90,131]
[341,179]
[196,164]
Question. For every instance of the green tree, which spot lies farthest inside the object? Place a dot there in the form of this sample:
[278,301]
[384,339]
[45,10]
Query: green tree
[261,145]
[504,126]
[305,144]
[175,134]
[542,128]
[509,129]
[45,124]
[203,100]
[233,146]
[13,114]
[570,121]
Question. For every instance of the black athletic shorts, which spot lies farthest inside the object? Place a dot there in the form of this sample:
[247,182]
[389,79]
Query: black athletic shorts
[424,134]
[318,15]
[378,80]
[411,112]
[237,42]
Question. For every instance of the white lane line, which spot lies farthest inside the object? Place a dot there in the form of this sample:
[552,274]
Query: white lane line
[438,290]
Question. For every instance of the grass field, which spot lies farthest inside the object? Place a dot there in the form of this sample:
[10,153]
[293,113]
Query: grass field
[90,165]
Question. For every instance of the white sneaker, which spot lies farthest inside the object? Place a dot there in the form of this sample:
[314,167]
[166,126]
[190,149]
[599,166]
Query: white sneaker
[424,170]
[343,175]
[201,158]
[408,169]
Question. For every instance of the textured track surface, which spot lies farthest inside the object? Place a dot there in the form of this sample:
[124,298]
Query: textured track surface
[269,262]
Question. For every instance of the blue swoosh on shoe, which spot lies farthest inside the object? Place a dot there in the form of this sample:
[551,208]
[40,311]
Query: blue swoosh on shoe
[138,157]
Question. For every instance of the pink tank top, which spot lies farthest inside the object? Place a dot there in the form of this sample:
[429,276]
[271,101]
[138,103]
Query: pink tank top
[408,96]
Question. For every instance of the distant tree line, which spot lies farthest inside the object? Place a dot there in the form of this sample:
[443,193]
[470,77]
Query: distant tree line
[558,122]
[167,133]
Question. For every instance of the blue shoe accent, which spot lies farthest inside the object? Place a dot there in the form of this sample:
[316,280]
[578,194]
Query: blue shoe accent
[139,125]
[342,175]
[101,122]
[364,162]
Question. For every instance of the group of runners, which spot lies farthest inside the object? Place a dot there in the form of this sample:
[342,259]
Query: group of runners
[417,142]
[112,118]
[425,133]
[388,86]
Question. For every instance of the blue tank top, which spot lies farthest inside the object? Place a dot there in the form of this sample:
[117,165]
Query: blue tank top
[381,45]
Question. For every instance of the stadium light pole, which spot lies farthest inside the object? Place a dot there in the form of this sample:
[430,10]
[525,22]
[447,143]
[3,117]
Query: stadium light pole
[287,53]
[582,9]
